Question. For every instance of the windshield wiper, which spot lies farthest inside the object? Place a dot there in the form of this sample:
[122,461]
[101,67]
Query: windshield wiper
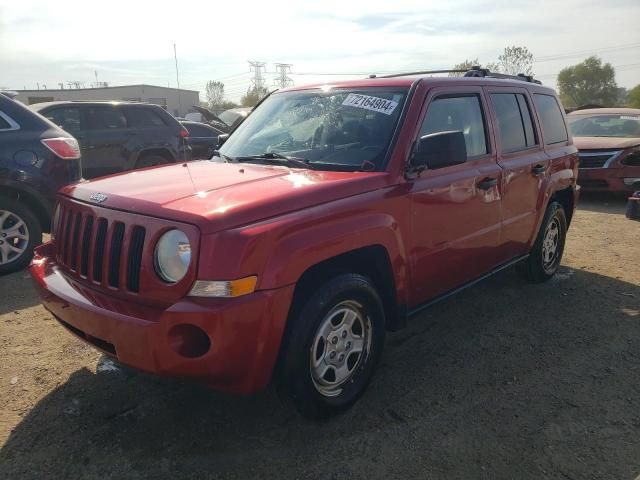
[275,157]
[226,158]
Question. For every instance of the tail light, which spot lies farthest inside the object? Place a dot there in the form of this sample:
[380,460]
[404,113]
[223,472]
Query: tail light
[64,147]
[184,133]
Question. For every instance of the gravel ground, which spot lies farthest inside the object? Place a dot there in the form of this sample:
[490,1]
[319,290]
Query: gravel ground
[506,380]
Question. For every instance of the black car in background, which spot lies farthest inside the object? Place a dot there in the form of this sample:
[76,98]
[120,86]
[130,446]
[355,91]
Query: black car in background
[203,139]
[119,136]
[36,159]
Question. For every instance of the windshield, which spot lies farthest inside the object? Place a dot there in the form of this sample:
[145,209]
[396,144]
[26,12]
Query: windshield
[623,126]
[341,129]
[229,116]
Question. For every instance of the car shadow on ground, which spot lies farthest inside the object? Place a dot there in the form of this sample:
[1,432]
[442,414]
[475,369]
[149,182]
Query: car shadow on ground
[17,292]
[505,380]
[603,202]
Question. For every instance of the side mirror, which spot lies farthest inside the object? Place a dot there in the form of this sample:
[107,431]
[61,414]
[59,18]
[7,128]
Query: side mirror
[440,149]
[222,138]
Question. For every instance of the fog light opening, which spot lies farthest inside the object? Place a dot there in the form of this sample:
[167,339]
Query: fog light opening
[189,341]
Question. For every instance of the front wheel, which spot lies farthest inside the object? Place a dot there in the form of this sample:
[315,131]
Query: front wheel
[333,345]
[545,256]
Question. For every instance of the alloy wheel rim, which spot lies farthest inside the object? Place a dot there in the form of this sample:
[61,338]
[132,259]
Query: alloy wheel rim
[341,345]
[550,244]
[14,237]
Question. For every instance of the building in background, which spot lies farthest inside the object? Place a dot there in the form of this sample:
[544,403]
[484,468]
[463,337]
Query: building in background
[176,101]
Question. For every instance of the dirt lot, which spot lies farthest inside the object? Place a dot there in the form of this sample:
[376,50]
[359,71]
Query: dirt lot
[507,380]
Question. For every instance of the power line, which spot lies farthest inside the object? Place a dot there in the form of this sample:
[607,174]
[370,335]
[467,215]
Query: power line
[561,56]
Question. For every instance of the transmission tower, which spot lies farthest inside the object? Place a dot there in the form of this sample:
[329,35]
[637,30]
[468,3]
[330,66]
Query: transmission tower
[282,80]
[258,69]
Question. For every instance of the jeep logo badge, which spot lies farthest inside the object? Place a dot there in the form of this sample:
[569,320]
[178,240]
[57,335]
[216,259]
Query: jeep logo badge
[98,197]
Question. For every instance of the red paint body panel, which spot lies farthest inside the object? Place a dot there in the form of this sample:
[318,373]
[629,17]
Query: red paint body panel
[611,177]
[245,334]
[438,229]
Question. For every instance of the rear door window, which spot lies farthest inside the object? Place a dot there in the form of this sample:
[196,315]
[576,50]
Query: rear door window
[458,112]
[145,118]
[67,118]
[514,121]
[527,120]
[553,127]
[107,118]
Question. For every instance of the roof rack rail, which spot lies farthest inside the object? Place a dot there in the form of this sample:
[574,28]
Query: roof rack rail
[474,71]
[423,72]
[477,71]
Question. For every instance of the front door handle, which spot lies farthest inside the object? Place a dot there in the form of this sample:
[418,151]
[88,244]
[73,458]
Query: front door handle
[487,183]
[538,170]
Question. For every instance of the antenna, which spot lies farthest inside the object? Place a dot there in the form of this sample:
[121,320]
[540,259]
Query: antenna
[175,56]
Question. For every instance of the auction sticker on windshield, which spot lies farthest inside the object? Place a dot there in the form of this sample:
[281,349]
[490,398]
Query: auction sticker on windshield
[367,102]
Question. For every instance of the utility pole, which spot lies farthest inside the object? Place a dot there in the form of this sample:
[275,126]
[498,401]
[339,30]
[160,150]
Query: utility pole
[282,80]
[258,68]
[175,56]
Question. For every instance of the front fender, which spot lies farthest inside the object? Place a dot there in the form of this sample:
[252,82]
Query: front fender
[300,250]
[281,249]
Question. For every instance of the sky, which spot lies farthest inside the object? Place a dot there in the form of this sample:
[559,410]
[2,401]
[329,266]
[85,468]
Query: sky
[129,42]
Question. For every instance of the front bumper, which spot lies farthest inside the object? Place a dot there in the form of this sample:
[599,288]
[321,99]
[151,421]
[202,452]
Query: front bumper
[245,332]
[608,179]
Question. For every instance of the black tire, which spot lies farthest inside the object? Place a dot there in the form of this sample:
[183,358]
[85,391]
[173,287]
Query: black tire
[151,160]
[295,378]
[12,262]
[536,268]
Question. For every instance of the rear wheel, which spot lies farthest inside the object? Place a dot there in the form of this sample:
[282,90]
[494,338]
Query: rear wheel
[545,256]
[333,345]
[20,232]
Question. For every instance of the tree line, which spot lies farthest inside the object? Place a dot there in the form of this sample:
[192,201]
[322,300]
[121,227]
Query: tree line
[216,98]
[590,82]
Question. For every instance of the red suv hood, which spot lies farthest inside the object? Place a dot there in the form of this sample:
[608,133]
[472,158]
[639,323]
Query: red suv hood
[614,143]
[216,196]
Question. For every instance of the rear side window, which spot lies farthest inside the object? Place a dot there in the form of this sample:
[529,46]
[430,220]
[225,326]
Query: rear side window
[459,112]
[107,118]
[514,121]
[553,127]
[67,118]
[4,125]
[145,118]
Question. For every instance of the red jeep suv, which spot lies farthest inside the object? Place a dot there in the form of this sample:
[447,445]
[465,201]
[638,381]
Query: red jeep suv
[330,215]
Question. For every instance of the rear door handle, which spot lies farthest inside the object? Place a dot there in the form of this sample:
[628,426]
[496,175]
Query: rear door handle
[538,170]
[487,183]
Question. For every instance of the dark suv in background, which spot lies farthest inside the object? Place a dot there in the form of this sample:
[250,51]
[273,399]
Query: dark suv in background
[119,136]
[36,159]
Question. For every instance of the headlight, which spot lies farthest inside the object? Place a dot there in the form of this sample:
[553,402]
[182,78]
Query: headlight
[173,255]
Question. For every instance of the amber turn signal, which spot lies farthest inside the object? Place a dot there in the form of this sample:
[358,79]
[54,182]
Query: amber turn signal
[224,289]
